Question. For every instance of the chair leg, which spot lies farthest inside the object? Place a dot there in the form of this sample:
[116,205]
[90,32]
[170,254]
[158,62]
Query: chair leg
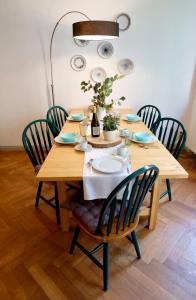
[39,189]
[168,189]
[74,240]
[58,217]
[135,243]
[105,266]
[71,186]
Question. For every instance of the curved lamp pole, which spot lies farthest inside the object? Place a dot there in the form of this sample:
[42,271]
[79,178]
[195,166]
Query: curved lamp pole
[51,43]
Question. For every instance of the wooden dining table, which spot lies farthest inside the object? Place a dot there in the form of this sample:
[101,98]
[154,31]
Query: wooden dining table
[64,164]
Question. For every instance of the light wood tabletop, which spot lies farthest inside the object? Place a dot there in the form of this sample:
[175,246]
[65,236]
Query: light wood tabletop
[64,163]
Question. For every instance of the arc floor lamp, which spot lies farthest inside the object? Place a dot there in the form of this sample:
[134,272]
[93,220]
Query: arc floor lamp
[85,30]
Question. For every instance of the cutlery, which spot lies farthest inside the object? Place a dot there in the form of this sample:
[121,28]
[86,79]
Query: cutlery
[143,146]
[128,168]
[89,164]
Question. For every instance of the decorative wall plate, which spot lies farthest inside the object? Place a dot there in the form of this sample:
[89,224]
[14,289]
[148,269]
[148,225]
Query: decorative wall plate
[124,21]
[105,50]
[78,62]
[125,66]
[81,43]
[98,74]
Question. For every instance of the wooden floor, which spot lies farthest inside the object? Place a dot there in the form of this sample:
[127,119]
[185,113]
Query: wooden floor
[34,259]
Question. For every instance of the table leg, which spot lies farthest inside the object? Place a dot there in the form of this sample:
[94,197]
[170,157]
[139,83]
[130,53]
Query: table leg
[64,212]
[155,197]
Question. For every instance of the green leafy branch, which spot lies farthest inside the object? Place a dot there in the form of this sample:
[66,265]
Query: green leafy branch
[102,91]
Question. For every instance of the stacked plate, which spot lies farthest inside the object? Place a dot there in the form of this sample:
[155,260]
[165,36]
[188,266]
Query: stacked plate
[79,147]
[67,138]
[131,118]
[143,137]
[76,117]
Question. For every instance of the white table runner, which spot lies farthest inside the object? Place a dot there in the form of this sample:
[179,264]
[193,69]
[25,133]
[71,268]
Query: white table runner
[98,185]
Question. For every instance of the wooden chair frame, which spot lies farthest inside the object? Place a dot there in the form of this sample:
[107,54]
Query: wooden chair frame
[57,115]
[37,140]
[150,114]
[121,225]
[172,134]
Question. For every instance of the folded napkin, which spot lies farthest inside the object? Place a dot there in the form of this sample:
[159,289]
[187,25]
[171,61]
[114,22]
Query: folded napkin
[99,185]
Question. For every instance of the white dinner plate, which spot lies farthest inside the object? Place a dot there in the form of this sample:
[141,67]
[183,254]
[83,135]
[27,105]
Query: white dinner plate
[108,164]
[137,119]
[59,141]
[70,119]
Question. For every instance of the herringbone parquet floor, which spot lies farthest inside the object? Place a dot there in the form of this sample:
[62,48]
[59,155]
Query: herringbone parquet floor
[34,259]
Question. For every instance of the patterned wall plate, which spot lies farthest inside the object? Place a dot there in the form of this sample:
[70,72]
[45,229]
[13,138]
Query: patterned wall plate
[81,43]
[125,66]
[98,74]
[78,62]
[124,21]
[105,50]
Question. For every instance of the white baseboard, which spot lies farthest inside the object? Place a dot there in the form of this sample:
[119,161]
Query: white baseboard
[11,148]
[190,150]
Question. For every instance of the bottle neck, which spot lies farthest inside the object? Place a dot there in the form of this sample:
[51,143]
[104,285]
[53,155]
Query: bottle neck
[94,110]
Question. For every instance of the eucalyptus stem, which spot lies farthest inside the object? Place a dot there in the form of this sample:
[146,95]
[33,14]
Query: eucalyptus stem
[102,91]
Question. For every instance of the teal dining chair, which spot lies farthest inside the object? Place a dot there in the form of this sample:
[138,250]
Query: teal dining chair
[37,140]
[57,115]
[172,134]
[150,114]
[113,218]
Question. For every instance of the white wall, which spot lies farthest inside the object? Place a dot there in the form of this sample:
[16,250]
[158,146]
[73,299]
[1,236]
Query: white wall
[161,43]
[190,116]
[191,141]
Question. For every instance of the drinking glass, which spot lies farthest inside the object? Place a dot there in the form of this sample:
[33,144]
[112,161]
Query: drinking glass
[83,128]
[123,152]
[127,140]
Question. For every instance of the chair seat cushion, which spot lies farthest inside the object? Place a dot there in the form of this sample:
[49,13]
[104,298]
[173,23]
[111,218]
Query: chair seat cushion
[37,168]
[88,212]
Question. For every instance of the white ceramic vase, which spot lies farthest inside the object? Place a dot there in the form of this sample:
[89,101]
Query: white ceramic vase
[101,113]
[110,135]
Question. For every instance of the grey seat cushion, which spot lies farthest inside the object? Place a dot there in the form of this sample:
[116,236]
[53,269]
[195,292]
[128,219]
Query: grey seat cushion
[89,212]
[37,168]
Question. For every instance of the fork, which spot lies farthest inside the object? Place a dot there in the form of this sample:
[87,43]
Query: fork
[89,164]
[128,167]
